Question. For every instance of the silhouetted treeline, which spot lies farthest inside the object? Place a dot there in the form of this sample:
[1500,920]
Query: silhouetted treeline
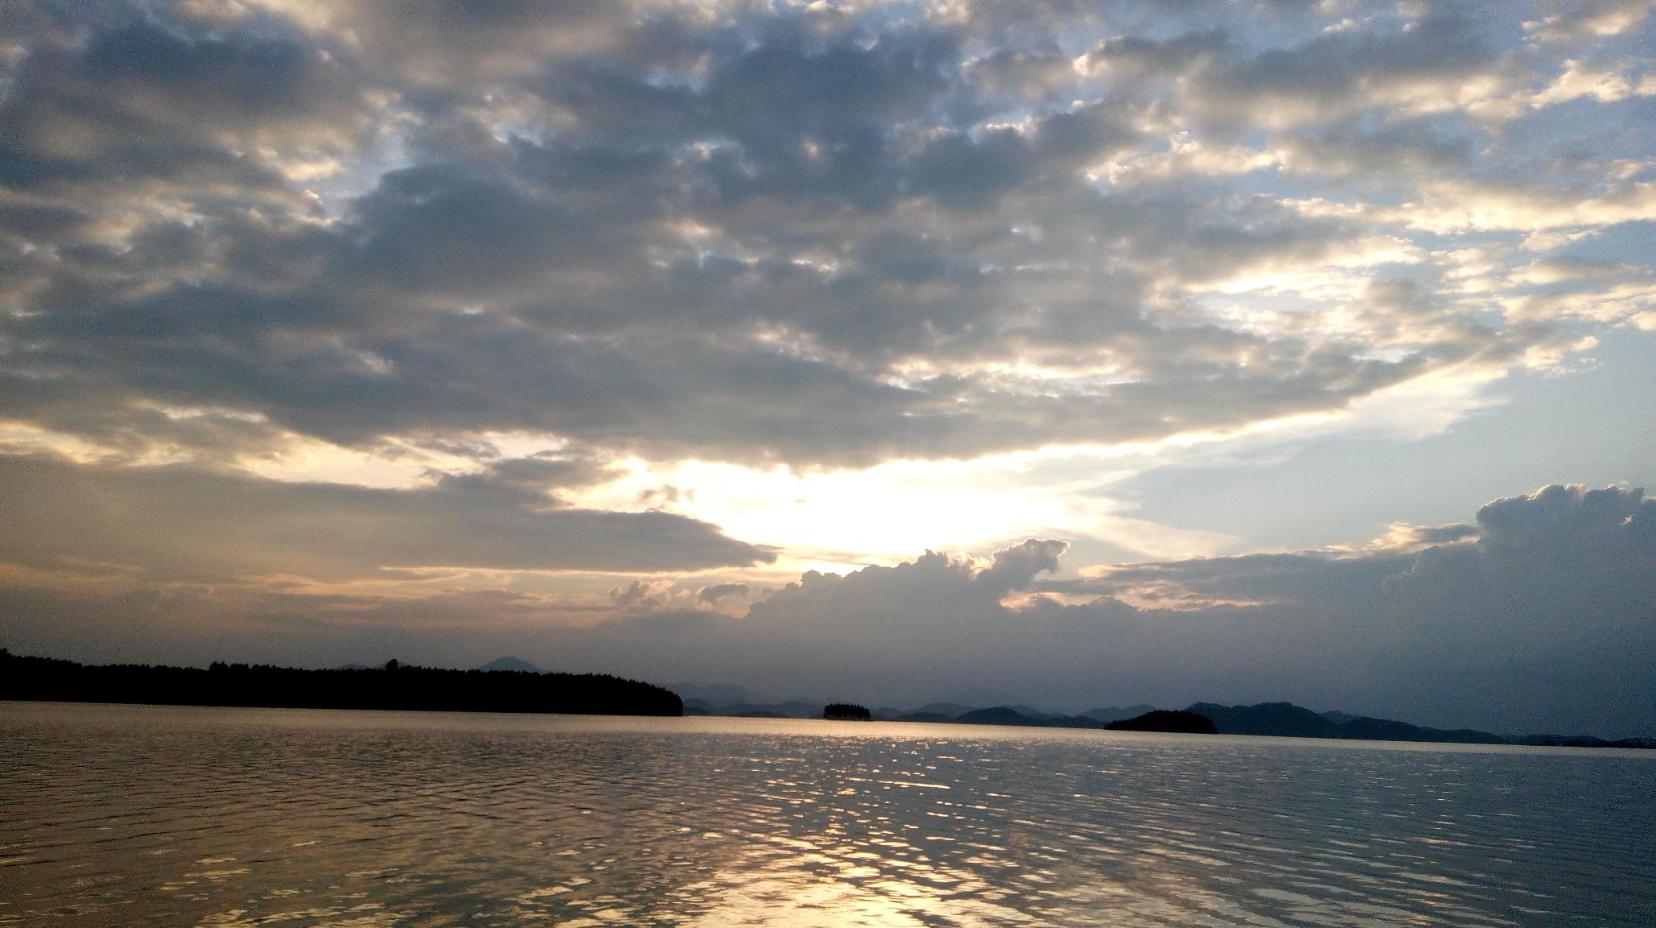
[392,687]
[846,711]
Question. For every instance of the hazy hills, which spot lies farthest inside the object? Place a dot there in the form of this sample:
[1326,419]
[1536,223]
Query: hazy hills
[1273,719]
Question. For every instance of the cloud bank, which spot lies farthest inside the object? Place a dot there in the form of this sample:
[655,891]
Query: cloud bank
[791,233]
[1541,616]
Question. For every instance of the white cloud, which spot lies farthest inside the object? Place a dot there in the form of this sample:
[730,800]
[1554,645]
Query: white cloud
[1583,80]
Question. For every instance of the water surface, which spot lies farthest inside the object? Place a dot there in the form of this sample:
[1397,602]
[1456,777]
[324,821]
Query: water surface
[239,817]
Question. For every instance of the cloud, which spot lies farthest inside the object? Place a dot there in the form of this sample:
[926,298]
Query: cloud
[1432,63]
[644,596]
[710,595]
[133,107]
[183,524]
[777,235]
[1013,568]
[1590,20]
[1459,206]
[1538,617]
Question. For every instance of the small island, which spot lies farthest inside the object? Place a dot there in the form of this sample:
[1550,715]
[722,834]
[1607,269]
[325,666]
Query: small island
[1169,720]
[846,712]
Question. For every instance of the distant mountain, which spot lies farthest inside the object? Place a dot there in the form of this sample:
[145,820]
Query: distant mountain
[1116,713]
[946,709]
[997,715]
[1034,713]
[732,700]
[1367,729]
[697,707]
[1286,720]
[510,664]
[1280,719]
[1167,720]
[714,695]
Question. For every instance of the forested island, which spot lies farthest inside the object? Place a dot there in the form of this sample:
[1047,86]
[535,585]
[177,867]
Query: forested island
[392,686]
[846,712]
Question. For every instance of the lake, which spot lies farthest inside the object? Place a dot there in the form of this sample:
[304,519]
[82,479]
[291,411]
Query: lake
[117,815]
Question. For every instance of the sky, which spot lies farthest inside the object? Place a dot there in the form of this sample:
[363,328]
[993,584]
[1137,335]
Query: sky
[1062,353]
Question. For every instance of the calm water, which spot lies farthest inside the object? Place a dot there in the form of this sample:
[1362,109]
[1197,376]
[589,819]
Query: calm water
[239,817]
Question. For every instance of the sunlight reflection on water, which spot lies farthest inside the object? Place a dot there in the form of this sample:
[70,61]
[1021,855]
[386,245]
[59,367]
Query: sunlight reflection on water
[244,817]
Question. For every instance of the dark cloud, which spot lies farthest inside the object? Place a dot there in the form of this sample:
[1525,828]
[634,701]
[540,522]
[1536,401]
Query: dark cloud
[125,103]
[1132,58]
[1014,568]
[711,595]
[1387,153]
[1345,70]
[779,235]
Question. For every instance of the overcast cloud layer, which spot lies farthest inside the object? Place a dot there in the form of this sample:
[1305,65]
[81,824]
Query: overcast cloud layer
[393,327]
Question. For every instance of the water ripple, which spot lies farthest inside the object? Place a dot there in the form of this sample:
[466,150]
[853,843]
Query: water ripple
[236,818]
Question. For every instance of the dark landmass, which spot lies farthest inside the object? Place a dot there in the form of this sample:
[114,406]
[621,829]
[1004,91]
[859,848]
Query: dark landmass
[1039,715]
[1282,720]
[997,715]
[1173,720]
[1286,720]
[1020,715]
[949,710]
[846,712]
[1109,714]
[1584,741]
[390,687]
[1275,719]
